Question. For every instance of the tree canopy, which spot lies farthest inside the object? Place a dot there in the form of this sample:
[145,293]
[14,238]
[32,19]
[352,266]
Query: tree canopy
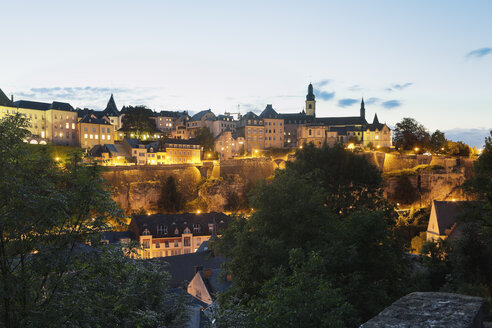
[409,133]
[138,120]
[322,221]
[53,269]
[206,139]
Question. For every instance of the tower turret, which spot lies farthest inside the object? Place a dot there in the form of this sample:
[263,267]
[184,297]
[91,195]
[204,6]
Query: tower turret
[362,109]
[310,102]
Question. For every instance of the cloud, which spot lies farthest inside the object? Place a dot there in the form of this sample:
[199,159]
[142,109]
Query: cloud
[88,96]
[324,95]
[390,104]
[322,83]
[355,88]
[479,53]
[398,86]
[472,137]
[371,101]
[347,102]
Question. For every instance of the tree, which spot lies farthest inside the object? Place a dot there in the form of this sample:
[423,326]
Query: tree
[51,215]
[438,142]
[458,149]
[139,120]
[170,200]
[409,134]
[206,139]
[328,201]
[405,192]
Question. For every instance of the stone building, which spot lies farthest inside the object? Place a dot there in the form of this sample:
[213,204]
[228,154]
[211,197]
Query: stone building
[228,144]
[274,128]
[252,129]
[173,234]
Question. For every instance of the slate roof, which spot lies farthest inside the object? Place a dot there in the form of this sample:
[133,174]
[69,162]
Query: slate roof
[91,120]
[349,120]
[215,284]
[448,212]
[178,221]
[167,113]
[191,141]
[111,109]
[269,112]
[225,118]
[250,116]
[184,267]
[198,116]
[133,142]
[43,106]
[115,236]
[4,100]
[296,118]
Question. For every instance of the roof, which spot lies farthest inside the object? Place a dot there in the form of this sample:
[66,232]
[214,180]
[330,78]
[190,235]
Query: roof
[448,212]
[269,112]
[180,222]
[90,120]
[111,109]
[198,116]
[4,100]
[225,117]
[250,116]
[191,141]
[132,142]
[167,113]
[184,267]
[296,118]
[56,105]
[115,236]
[215,284]
[349,120]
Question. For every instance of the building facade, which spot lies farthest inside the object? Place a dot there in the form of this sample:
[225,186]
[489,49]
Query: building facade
[174,234]
[251,128]
[274,128]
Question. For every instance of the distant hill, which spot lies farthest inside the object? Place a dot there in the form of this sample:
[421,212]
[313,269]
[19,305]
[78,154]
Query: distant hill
[472,137]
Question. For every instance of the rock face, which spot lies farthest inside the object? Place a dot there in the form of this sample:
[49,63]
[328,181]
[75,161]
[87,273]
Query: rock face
[432,310]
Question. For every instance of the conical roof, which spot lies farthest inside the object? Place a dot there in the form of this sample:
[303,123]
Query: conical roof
[111,109]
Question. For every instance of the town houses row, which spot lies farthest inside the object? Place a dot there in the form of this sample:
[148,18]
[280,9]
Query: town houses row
[102,132]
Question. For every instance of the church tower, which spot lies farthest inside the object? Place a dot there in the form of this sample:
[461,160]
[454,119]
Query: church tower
[362,109]
[310,102]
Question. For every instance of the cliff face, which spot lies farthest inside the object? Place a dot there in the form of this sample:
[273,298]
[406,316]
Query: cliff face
[140,187]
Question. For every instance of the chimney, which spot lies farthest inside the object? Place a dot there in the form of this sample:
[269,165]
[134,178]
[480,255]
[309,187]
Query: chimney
[207,273]
[198,268]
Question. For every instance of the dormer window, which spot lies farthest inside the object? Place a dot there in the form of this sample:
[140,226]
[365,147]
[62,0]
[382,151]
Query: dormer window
[187,230]
[176,231]
[161,229]
[146,232]
[197,228]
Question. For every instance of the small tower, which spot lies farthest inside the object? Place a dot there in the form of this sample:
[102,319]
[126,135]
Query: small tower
[376,120]
[362,109]
[310,102]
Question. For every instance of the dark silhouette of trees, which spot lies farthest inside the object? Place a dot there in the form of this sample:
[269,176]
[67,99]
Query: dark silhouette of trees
[171,200]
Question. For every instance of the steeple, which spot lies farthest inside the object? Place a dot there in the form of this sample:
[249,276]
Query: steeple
[310,95]
[310,102]
[362,109]
[376,120]
[111,109]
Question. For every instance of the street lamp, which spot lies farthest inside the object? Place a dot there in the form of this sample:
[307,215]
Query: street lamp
[416,149]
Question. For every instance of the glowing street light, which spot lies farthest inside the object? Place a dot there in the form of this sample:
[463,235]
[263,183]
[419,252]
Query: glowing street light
[198,211]
[57,159]
[416,149]
[351,146]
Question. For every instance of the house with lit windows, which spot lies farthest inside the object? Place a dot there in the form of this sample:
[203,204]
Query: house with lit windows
[95,131]
[169,151]
[251,128]
[173,234]
[274,128]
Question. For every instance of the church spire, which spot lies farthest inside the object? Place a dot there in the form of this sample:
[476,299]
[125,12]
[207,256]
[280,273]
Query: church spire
[111,109]
[310,102]
[362,109]
[376,120]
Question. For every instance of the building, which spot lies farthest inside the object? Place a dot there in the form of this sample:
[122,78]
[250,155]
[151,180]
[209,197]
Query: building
[174,234]
[251,128]
[208,283]
[110,154]
[202,119]
[95,131]
[112,114]
[180,151]
[228,145]
[165,121]
[274,128]
[317,134]
[442,222]
[349,129]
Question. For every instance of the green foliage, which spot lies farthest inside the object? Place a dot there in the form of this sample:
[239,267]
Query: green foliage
[417,242]
[301,296]
[458,149]
[438,142]
[409,134]
[328,204]
[139,120]
[405,192]
[206,139]
[49,215]
[413,171]
[170,200]
[236,202]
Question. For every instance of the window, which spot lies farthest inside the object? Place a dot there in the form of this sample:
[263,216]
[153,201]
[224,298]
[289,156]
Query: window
[85,136]
[166,243]
[103,130]
[187,230]
[85,128]
[187,242]
[197,228]
[161,229]
[176,243]
[73,126]
[146,232]
[146,243]
[91,136]
[96,136]
[103,137]
[211,228]
[176,231]
[157,244]
[67,125]
[93,129]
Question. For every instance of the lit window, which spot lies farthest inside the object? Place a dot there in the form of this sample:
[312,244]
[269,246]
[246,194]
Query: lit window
[96,136]
[197,228]
[146,243]
[103,137]
[91,136]
[109,137]
[157,244]
[67,125]
[85,136]
[73,126]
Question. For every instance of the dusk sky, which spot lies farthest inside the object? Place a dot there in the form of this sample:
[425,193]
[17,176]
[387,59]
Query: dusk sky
[430,60]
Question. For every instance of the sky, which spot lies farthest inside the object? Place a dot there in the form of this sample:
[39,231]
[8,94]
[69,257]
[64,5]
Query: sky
[430,60]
